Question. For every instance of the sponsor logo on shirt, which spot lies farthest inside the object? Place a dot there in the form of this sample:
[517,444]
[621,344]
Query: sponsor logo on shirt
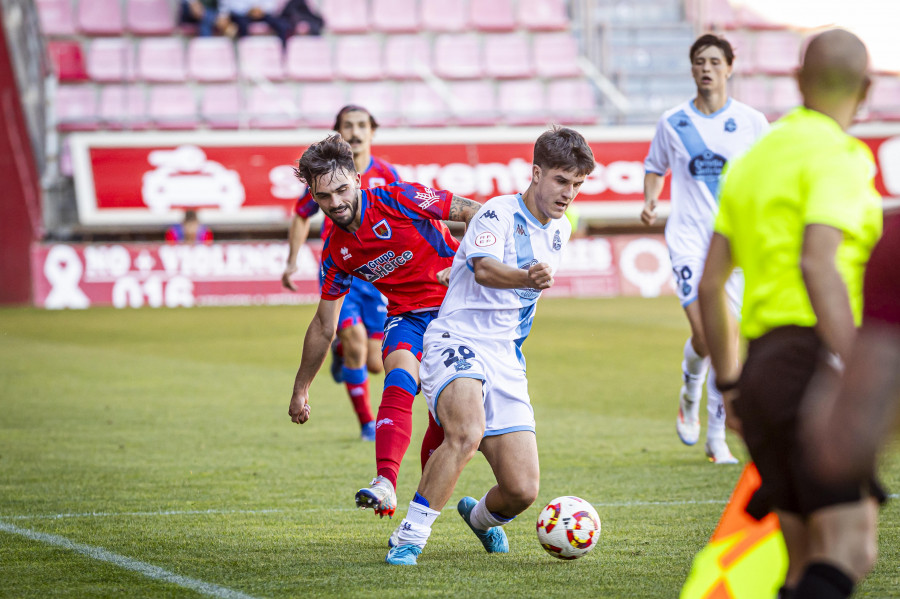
[346,253]
[730,126]
[557,241]
[485,239]
[428,197]
[489,214]
[383,265]
[707,166]
[382,229]
[528,293]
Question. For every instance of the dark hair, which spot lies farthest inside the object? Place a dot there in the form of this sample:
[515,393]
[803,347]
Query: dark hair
[564,148]
[710,39]
[328,156]
[190,215]
[353,108]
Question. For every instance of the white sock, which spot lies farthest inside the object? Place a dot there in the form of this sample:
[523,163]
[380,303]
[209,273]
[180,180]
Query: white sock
[482,518]
[715,424]
[694,369]
[416,527]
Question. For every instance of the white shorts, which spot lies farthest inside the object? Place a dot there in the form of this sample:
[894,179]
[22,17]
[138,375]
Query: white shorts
[497,364]
[689,269]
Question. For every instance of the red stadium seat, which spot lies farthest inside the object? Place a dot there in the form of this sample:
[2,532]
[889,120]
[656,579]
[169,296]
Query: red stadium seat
[754,91]
[111,60]
[380,98]
[492,15]
[473,103]
[123,107]
[750,19]
[260,58]
[346,16]
[211,59]
[507,56]
[718,15]
[100,17]
[444,15]
[150,17]
[422,106]
[221,106]
[395,16]
[458,56]
[320,102]
[572,102]
[742,45]
[68,60]
[784,95]
[543,15]
[358,58]
[405,55]
[522,102]
[309,59]
[273,107]
[76,108]
[56,17]
[161,59]
[884,99]
[173,107]
[776,52]
[555,55]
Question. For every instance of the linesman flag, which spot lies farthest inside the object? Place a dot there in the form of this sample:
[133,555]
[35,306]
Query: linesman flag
[745,558]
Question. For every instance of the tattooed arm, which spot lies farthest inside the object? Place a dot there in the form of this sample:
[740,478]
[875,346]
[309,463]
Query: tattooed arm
[463,209]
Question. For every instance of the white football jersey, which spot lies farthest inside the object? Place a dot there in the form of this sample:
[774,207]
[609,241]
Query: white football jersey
[696,146]
[503,229]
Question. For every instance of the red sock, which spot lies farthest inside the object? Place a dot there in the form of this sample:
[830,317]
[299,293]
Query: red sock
[359,395]
[393,430]
[434,436]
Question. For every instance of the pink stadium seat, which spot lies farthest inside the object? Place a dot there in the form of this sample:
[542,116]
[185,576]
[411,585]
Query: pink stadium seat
[750,19]
[572,102]
[346,16]
[458,56]
[173,107]
[785,95]
[507,56]
[211,59]
[150,17]
[522,102]
[358,58]
[395,16]
[492,15]
[76,108]
[260,58]
[742,45]
[543,15]
[404,55]
[320,102]
[100,17]
[753,91]
[422,106]
[68,60]
[123,107]
[380,98]
[473,103]
[884,99]
[111,60]
[719,14]
[161,59]
[273,107]
[555,55]
[444,15]
[220,106]
[56,16]
[776,52]
[309,58]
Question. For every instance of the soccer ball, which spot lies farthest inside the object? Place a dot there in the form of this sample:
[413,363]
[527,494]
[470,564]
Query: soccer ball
[568,527]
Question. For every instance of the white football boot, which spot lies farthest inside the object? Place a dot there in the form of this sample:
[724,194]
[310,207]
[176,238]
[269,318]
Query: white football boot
[380,496]
[688,422]
[718,453]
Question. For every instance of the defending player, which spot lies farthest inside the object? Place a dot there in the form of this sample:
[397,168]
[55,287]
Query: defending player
[473,370]
[695,140]
[391,236]
[357,350]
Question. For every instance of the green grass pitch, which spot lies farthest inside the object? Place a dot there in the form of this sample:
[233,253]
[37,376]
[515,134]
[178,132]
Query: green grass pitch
[162,436]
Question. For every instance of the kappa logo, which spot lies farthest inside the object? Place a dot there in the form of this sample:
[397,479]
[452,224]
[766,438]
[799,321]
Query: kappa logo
[428,197]
[382,229]
[490,214]
[683,123]
[520,230]
[385,421]
[730,126]
[557,241]
[346,253]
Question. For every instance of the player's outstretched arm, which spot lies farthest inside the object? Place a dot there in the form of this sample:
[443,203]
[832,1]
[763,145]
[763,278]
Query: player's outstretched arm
[653,185]
[315,348]
[463,209]
[490,272]
[297,236]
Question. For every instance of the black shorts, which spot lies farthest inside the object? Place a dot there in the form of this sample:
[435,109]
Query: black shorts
[779,367]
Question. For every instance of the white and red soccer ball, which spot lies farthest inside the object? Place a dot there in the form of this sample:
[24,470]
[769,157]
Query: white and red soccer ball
[568,527]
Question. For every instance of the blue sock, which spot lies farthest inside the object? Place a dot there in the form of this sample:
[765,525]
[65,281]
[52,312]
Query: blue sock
[419,499]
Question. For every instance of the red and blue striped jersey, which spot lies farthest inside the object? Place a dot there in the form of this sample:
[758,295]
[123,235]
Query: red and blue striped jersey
[400,246]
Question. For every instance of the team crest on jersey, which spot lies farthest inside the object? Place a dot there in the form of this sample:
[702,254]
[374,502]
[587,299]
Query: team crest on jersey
[382,229]
[730,126]
[557,241]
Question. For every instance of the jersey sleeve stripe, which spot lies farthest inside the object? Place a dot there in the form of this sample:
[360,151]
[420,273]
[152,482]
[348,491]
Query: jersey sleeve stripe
[435,239]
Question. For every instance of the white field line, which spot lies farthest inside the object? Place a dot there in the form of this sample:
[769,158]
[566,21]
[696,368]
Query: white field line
[148,570]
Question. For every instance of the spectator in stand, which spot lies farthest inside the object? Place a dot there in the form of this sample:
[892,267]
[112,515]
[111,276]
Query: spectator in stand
[235,17]
[189,231]
[202,13]
[301,19]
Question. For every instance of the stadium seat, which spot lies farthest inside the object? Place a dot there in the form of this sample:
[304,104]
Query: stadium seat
[776,52]
[173,107]
[555,55]
[161,59]
[405,55]
[572,102]
[320,102]
[884,99]
[346,16]
[784,95]
[473,103]
[211,59]
[444,15]
[458,56]
[492,15]
[123,107]
[507,56]
[358,58]
[742,45]
[76,108]
[422,106]
[543,15]
[221,106]
[753,91]
[379,98]
[748,18]
[150,17]
[395,16]
[68,60]
[719,14]
[273,107]
[100,17]
[111,60]
[309,59]
[56,17]
[260,58]
[522,102]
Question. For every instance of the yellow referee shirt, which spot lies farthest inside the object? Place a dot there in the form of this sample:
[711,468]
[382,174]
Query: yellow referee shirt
[806,170]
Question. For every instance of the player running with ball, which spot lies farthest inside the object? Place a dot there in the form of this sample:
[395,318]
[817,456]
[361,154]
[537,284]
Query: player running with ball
[473,370]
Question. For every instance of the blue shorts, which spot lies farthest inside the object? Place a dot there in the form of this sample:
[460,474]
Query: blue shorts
[364,304]
[405,331]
